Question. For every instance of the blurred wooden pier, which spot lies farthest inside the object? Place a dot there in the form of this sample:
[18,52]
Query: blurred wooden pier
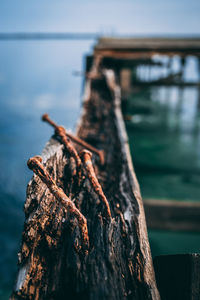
[125,56]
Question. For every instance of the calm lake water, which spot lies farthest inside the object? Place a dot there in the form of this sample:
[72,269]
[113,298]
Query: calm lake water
[164,136]
[37,77]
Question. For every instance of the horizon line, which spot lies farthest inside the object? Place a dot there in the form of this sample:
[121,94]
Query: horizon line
[86,35]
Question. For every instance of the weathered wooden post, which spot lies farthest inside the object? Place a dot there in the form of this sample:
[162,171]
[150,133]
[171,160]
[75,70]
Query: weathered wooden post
[115,263]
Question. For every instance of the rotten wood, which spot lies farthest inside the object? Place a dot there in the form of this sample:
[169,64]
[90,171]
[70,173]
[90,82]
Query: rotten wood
[35,164]
[118,264]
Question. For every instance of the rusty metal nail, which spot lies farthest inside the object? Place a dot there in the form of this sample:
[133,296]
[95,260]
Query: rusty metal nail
[75,139]
[79,141]
[68,145]
[87,163]
[46,118]
[35,164]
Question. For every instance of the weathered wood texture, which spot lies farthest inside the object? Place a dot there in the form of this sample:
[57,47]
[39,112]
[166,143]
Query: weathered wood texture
[176,44]
[178,276]
[53,262]
[172,215]
[145,48]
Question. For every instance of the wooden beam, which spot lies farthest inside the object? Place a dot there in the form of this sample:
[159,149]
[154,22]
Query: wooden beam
[172,215]
[132,48]
[175,44]
[115,263]
[165,83]
[178,276]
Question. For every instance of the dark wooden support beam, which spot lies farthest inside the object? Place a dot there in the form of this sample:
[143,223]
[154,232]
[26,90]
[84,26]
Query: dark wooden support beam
[178,276]
[165,83]
[172,215]
[146,47]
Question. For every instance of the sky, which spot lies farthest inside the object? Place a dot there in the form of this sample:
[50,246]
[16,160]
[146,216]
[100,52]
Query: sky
[107,16]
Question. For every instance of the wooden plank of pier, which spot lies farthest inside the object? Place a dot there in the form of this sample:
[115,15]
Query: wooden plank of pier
[146,47]
[172,215]
[178,276]
[115,263]
[122,54]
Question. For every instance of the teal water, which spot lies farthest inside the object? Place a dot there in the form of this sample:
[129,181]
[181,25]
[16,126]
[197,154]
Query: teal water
[164,137]
[166,242]
[163,125]
[35,77]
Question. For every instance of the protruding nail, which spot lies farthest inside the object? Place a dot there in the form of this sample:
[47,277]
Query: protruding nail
[61,132]
[34,160]
[46,118]
[87,163]
[35,164]
[75,139]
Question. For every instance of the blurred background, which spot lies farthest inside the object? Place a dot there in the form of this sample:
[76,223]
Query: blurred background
[38,76]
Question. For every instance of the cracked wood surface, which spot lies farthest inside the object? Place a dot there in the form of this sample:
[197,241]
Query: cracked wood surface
[118,264]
